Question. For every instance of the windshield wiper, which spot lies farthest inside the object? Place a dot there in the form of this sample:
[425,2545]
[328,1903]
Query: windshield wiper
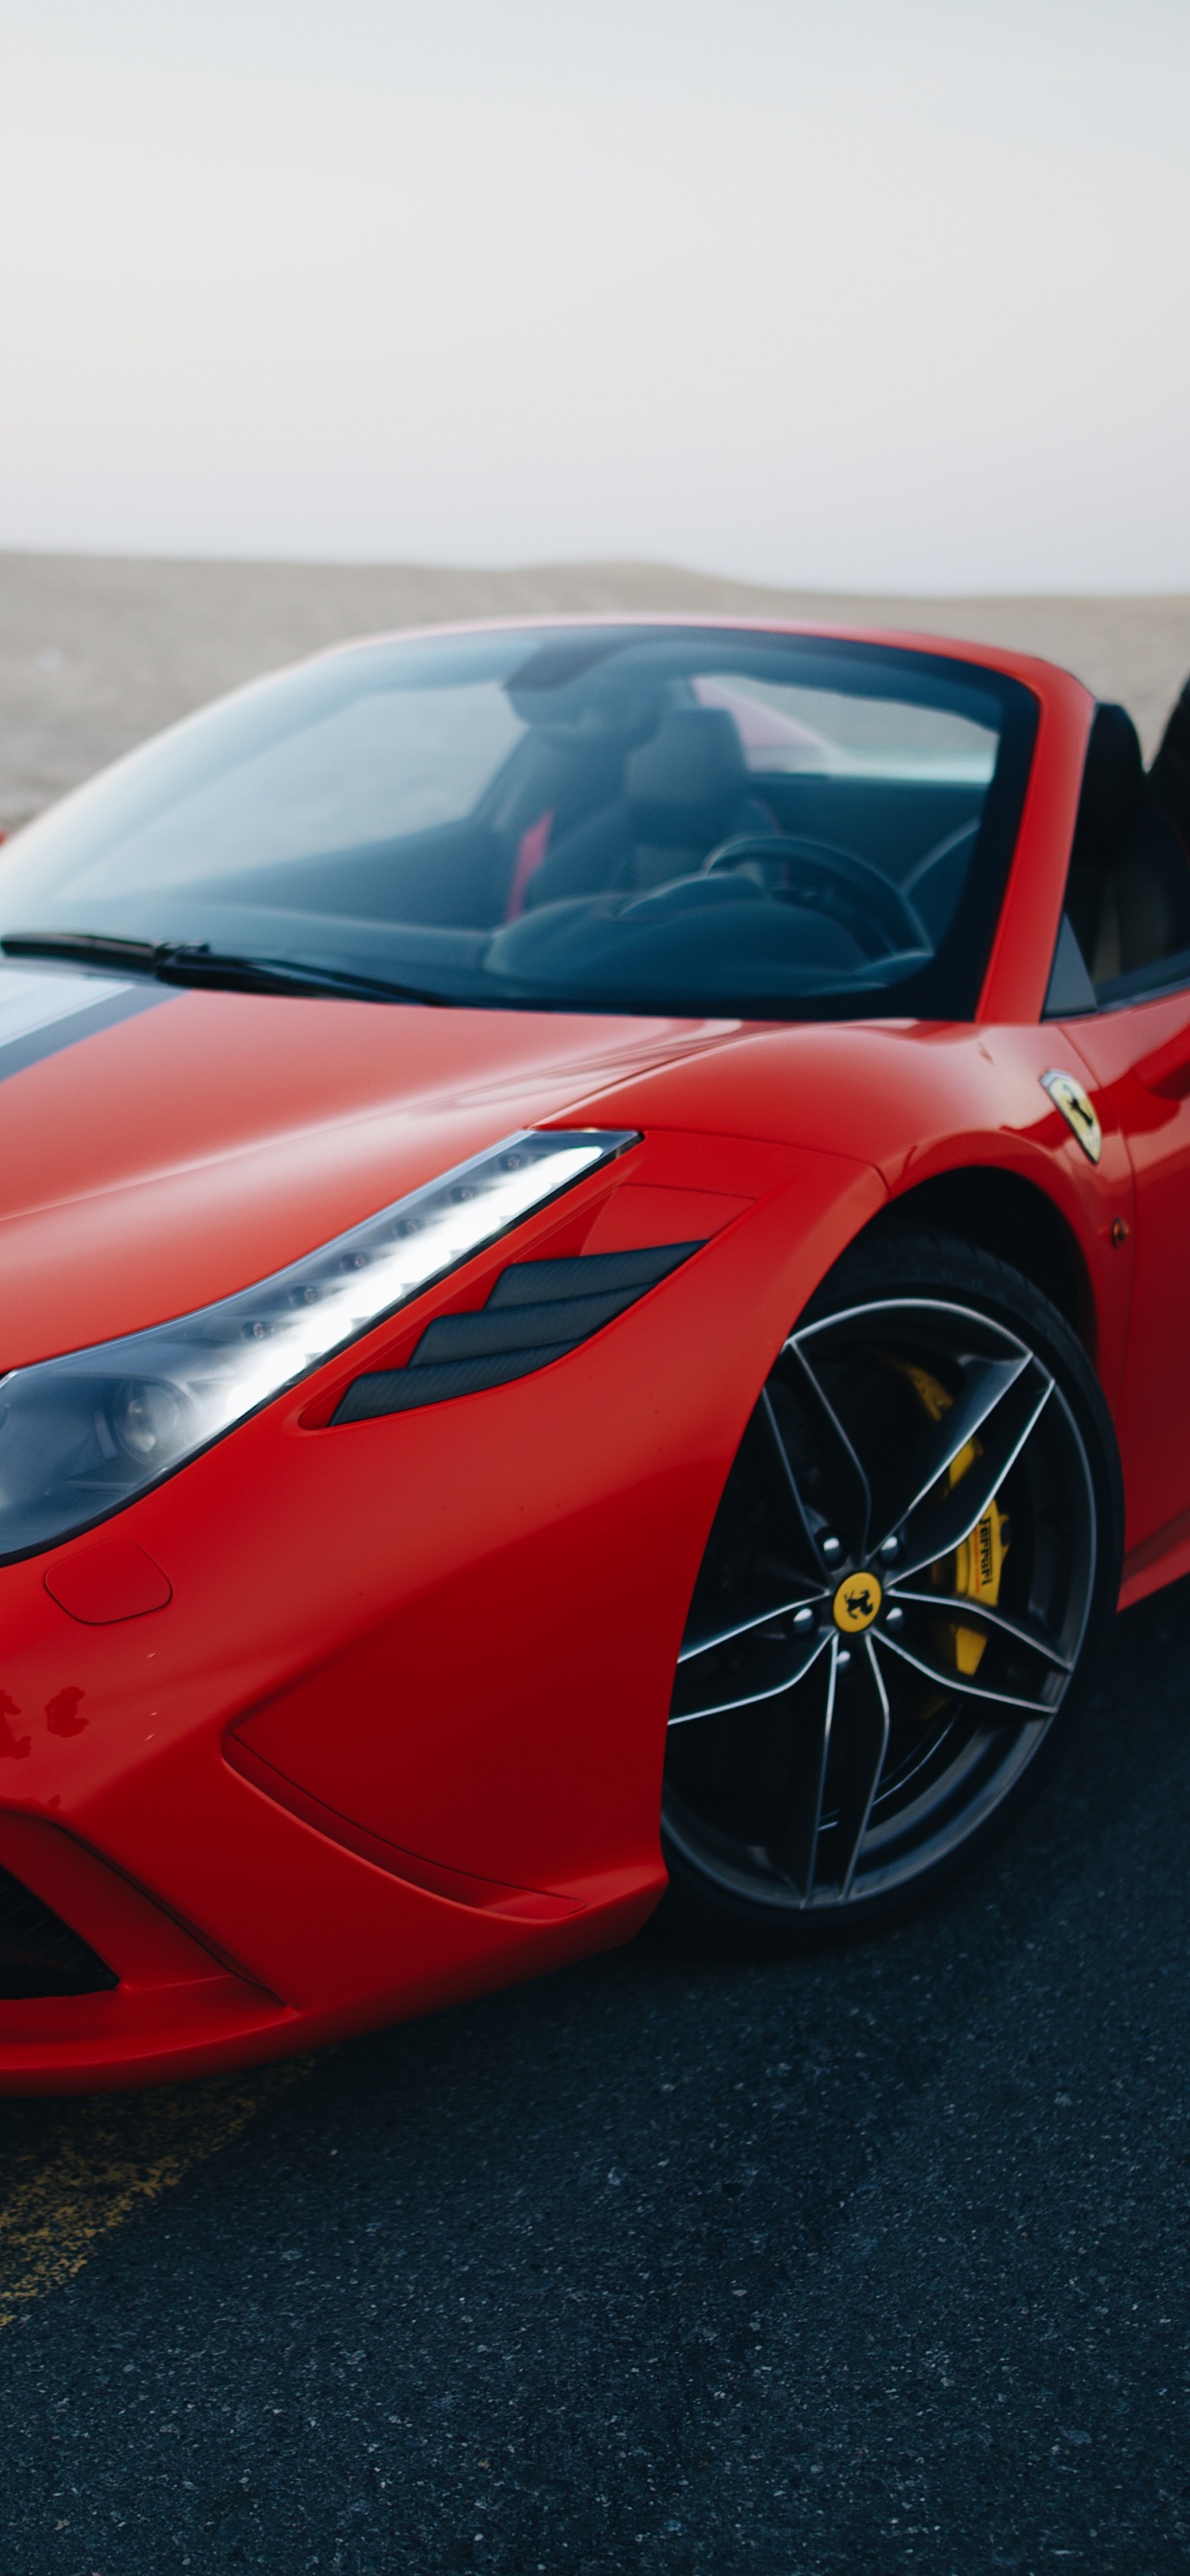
[177,963]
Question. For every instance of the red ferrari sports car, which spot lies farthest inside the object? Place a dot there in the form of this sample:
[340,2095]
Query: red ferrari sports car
[594,1226]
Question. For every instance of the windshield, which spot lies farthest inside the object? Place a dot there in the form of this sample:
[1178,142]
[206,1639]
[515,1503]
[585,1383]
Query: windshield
[645,819]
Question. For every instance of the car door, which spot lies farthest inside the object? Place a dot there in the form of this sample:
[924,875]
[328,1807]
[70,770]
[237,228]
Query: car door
[1121,991]
[1139,1056]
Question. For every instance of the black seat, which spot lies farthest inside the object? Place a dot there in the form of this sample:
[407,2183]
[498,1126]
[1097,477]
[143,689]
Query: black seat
[1169,777]
[1128,897]
[684,791]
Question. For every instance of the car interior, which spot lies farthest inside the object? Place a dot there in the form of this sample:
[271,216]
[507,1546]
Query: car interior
[644,823]
[591,819]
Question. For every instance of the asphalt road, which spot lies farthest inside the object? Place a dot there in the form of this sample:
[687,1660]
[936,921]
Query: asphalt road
[664,2264]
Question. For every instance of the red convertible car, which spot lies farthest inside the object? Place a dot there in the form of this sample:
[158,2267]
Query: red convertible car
[593,1288]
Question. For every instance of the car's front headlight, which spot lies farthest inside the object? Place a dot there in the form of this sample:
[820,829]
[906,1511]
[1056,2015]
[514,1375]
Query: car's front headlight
[82,1435]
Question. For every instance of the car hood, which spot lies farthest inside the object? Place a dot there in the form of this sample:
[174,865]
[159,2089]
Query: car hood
[162,1148]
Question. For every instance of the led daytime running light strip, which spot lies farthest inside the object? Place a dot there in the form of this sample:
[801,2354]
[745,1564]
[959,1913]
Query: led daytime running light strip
[81,1435]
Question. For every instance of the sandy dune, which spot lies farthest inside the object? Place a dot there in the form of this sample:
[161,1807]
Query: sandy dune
[97,652]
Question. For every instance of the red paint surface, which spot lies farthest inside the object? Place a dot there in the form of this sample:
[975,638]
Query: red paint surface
[1139,1063]
[105,1579]
[439,1648]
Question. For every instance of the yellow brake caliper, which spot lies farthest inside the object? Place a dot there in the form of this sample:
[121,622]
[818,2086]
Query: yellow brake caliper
[978,1559]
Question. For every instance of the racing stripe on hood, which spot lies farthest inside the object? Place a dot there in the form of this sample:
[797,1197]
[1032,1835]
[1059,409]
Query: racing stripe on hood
[42,1011]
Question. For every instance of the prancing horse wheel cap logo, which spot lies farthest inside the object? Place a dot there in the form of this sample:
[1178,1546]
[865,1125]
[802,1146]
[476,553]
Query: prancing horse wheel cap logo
[856,1603]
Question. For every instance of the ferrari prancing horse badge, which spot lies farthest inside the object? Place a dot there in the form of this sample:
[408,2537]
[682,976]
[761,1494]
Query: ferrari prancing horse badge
[1069,1096]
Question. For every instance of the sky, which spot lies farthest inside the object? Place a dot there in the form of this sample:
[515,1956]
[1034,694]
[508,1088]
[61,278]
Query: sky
[861,294]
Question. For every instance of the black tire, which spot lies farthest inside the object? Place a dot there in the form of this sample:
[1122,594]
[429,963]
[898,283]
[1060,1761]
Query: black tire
[892,1626]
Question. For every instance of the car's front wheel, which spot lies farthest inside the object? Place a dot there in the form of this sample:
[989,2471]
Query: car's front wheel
[916,1550]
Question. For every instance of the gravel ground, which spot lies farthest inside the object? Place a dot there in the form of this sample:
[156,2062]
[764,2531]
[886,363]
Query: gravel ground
[672,2264]
[95,653]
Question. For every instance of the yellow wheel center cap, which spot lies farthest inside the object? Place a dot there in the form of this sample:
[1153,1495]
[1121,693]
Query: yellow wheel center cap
[856,1603]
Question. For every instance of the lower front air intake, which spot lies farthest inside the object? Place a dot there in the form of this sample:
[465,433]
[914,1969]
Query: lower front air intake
[39,1954]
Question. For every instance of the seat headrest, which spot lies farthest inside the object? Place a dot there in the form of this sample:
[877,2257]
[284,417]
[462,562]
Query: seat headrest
[1177,728]
[1112,790]
[1169,777]
[690,774]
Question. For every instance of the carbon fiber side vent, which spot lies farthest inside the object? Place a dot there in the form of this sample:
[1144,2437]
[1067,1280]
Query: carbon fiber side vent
[39,1954]
[537,1311]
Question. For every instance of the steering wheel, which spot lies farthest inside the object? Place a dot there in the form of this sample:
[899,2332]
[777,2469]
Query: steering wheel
[820,878]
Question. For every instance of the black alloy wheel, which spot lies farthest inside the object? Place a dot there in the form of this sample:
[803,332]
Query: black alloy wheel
[916,1551]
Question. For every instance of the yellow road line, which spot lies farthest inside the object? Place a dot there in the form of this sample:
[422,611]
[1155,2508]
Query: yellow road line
[105,2157]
